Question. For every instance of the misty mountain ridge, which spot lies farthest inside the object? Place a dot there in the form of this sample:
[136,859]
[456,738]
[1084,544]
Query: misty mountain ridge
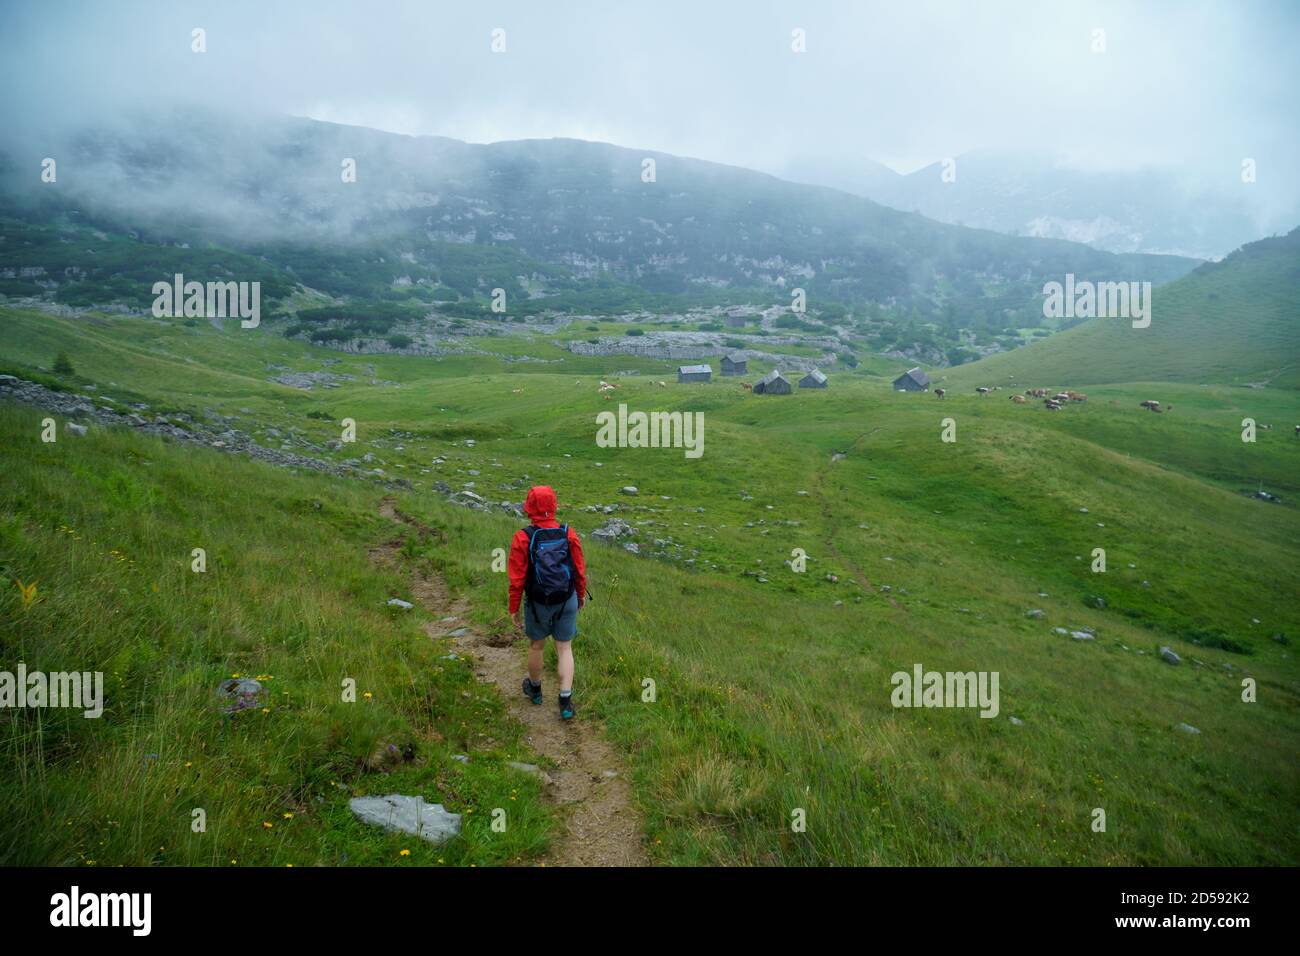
[580,207]
[1152,210]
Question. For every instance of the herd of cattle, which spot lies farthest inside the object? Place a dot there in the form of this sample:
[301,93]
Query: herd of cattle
[1052,402]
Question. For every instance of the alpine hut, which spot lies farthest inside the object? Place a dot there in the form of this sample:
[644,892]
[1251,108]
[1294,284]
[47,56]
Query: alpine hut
[814,379]
[913,380]
[694,373]
[773,383]
[734,365]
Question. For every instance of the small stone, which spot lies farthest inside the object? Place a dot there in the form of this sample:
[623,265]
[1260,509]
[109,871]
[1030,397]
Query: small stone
[1016,721]
[398,602]
[1035,613]
[1169,657]
[460,758]
[74,429]
[1187,729]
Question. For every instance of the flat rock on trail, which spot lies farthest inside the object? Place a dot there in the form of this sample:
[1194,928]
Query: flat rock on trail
[588,782]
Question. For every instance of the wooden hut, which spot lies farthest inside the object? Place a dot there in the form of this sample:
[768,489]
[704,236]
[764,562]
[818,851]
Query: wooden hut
[694,373]
[773,383]
[913,380]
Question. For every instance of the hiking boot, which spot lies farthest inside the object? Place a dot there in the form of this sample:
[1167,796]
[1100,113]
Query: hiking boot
[532,691]
[567,710]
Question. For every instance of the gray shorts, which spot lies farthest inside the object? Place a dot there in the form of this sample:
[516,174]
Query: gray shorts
[557,620]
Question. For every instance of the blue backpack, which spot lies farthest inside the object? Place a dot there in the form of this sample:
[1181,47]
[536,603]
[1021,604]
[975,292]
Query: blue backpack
[550,578]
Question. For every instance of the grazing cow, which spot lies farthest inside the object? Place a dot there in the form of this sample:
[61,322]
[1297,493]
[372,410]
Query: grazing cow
[1151,404]
[1051,406]
[982,390]
[1019,399]
[939,393]
[746,386]
[1297,431]
[1036,392]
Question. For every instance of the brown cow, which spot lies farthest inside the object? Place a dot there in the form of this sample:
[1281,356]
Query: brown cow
[746,386]
[1019,399]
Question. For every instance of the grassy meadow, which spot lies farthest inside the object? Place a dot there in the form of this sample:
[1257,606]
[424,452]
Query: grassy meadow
[772,688]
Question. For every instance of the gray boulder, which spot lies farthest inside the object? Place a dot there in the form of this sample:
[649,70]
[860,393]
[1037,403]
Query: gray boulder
[242,693]
[395,812]
[1169,657]
[74,429]
[613,529]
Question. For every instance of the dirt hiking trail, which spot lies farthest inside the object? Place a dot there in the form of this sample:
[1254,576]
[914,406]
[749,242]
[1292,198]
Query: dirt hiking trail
[588,783]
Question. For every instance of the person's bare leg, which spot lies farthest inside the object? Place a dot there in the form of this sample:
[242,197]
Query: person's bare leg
[564,664]
[535,649]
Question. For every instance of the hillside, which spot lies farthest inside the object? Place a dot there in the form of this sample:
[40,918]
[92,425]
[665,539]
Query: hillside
[538,217]
[1234,322]
[773,686]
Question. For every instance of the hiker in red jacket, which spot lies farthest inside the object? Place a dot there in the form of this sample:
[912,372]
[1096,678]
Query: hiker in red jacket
[546,570]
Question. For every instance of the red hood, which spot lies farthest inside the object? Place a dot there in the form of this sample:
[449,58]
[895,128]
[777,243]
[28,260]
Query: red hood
[540,504]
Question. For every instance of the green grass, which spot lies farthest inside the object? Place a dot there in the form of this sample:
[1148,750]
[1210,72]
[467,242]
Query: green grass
[771,697]
[105,526]
[1235,321]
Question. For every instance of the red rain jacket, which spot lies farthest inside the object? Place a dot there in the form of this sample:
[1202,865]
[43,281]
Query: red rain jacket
[540,508]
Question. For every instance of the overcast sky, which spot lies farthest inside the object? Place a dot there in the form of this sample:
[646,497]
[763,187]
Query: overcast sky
[1193,85]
